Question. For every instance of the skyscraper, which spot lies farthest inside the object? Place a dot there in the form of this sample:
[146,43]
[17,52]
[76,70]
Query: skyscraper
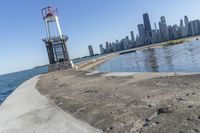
[186,25]
[147,25]
[101,49]
[182,29]
[90,50]
[163,29]
[191,29]
[171,32]
[132,36]
[196,25]
[141,32]
[158,37]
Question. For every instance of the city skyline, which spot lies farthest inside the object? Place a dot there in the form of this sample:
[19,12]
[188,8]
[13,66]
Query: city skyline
[147,35]
[85,22]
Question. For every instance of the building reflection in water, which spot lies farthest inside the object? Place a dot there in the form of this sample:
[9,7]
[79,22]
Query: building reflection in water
[168,58]
[150,61]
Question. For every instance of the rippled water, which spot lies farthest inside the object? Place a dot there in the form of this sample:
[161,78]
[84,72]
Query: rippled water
[9,82]
[177,58]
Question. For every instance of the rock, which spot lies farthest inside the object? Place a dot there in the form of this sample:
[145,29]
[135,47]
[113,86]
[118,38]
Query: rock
[163,110]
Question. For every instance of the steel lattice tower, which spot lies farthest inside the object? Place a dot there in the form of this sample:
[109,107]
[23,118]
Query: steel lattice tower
[55,41]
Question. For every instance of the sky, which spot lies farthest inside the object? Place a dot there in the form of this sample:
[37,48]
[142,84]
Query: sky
[85,22]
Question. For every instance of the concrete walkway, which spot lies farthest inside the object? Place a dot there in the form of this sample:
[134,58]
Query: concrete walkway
[27,111]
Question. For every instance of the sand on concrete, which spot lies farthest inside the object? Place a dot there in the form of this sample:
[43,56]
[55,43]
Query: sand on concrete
[145,103]
[27,111]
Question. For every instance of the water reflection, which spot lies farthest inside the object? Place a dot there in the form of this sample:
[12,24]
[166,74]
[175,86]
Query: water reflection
[168,57]
[178,58]
[150,61]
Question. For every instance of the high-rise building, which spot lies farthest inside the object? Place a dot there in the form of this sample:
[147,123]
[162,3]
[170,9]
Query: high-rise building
[101,48]
[147,25]
[186,25]
[181,23]
[191,31]
[163,29]
[91,50]
[196,25]
[154,36]
[132,36]
[182,29]
[158,36]
[176,32]
[141,33]
[171,33]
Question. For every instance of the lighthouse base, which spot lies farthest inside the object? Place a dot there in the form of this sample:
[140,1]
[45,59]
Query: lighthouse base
[59,66]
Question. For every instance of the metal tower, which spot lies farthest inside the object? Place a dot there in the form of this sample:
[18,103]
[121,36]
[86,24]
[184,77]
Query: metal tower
[55,41]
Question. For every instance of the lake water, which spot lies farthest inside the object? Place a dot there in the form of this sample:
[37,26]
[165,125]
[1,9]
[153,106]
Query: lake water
[9,82]
[177,58]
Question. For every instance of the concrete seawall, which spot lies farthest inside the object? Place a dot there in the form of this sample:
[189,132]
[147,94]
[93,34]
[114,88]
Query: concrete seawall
[27,111]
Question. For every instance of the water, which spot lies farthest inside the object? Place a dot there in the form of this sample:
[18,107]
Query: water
[9,82]
[177,58]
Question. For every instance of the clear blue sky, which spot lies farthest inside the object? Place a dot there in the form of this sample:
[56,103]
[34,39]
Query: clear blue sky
[86,22]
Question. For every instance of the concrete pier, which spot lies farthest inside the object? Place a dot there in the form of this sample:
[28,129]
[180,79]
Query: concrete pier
[27,111]
[128,102]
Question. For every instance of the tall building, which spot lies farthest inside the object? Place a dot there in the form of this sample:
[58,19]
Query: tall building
[196,25]
[101,49]
[158,36]
[182,29]
[154,36]
[141,33]
[171,32]
[191,31]
[90,50]
[186,25]
[107,47]
[176,32]
[163,29]
[181,23]
[147,25]
[132,36]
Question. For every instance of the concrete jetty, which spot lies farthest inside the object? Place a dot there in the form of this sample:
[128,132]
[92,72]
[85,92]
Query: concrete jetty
[128,102]
[27,111]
